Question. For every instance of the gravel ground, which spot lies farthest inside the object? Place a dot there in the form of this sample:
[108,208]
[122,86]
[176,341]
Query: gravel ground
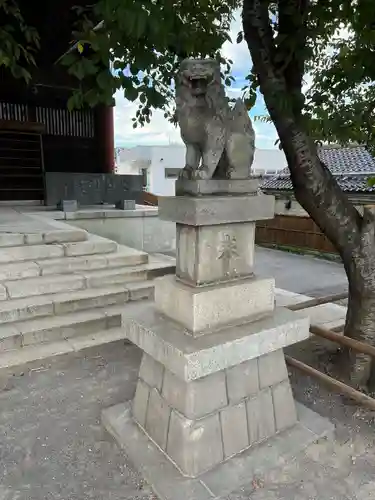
[53,446]
[52,443]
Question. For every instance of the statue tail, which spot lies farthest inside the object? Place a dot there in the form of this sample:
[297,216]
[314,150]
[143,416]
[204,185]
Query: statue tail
[240,143]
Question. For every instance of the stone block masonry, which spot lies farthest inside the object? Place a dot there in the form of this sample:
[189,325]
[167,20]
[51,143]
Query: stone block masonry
[199,424]
[213,383]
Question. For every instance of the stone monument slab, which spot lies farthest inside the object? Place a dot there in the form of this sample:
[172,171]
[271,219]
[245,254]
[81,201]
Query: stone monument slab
[90,188]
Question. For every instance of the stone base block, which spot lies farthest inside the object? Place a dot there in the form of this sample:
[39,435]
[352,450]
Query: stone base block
[125,205]
[191,358]
[211,210]
[201,187]
[68,205]
[233,474]
[203,309]
[201,423]
[212,254]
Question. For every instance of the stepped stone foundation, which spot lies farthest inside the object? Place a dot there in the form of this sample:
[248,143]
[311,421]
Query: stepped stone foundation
[213,386]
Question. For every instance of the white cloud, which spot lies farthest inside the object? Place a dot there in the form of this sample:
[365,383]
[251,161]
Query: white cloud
[238,52]
[160,131]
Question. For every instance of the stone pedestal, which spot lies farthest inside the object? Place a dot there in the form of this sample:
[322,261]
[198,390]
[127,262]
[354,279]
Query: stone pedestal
[202,422]
[213,380]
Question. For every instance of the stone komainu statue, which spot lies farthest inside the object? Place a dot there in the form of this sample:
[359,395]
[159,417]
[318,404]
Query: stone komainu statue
[219,139]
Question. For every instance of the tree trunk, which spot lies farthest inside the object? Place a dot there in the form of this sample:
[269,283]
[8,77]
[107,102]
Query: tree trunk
[315,188]
[360,318]
[359,325]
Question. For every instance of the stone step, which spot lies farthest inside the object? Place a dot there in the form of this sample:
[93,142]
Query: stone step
[115,276]
[30,253]
[160,265]
[65,265]
[54,328]
[43,285]
[93,245]
[20,270]
[62,303]
[46,232]
[125,256]
[60,283]
[29,354]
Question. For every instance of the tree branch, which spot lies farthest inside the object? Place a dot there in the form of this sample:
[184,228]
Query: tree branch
[314,186]
[292,36]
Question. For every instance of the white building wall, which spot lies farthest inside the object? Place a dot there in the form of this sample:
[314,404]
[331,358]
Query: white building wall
[130,161]
[158,159]
[162,158]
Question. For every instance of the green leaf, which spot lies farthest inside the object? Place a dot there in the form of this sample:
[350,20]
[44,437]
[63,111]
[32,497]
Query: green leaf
[89,67]
[141,23]
[69,59]
[239,38]
[91,98]
[131,93]
[250,101]
[20,72]
[71,103]
[103,79]
[77,69]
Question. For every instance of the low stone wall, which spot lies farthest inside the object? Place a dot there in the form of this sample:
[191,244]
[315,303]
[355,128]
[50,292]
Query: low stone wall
[140,229]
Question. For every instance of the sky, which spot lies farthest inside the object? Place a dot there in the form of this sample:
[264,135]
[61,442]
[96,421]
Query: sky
[161,132]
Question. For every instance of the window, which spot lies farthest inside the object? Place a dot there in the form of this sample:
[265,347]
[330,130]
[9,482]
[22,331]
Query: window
[171,173]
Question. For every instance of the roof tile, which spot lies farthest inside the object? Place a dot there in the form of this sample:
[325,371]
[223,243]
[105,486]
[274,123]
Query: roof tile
[352,167]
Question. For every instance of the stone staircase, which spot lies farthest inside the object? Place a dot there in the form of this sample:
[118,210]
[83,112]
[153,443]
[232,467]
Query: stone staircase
[63,289]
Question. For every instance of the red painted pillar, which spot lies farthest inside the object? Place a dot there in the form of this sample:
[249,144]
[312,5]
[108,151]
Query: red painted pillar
[106,138]
[110,140]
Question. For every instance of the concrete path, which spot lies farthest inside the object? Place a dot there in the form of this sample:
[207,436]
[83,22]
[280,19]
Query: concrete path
[53,446]
[326,315]
[301,273]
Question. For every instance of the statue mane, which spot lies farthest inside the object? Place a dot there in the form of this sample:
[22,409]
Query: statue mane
[214,99]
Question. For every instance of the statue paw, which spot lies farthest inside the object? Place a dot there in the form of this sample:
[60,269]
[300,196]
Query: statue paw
[183,174]
[201,174]
[186,173]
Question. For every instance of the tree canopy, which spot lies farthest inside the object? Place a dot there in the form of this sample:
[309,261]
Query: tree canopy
[313,63]
[341,96]
[18,41]
[136,45]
